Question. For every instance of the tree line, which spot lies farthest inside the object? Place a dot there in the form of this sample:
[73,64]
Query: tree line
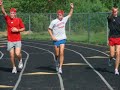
[51,6]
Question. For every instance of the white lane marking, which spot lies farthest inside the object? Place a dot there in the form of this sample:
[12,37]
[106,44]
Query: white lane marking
[103,79]
[1,55]
[73,45]
[21,73]
[74,64]
[6,86]
[97,57]
[85,48]
[60,77]
[91,49]
[39,73]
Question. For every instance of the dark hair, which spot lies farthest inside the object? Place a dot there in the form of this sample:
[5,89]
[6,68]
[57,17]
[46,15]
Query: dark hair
[115,5]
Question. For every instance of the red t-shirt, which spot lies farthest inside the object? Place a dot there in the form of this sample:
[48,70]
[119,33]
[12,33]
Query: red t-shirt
[17,23]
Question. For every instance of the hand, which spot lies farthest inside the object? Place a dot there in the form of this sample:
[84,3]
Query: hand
[54,39]
[1,2]
[14,29]
[71,5]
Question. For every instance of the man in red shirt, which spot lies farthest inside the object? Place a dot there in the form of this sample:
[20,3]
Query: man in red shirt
[14,27]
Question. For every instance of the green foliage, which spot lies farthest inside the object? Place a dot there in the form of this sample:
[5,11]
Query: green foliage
[51,6]
[39,22]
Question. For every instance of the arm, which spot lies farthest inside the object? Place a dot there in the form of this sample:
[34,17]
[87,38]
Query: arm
[14,29]
[2,8]
[51,35]
[71,10]
[21,30]
[21,25]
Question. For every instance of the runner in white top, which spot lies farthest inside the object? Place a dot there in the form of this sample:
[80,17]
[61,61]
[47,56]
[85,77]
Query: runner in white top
[57,32]
[58,28]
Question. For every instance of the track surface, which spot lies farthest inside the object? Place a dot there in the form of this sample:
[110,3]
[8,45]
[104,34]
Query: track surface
[85,68]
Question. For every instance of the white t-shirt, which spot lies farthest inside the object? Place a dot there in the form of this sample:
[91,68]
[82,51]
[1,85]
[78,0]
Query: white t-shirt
[58,28]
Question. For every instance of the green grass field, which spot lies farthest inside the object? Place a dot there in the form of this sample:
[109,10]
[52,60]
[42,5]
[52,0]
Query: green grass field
[98,38]
[94,38]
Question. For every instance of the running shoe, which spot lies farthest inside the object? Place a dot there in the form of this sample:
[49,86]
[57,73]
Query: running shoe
[60,70]
[20,65]
[14,70]
[116,72]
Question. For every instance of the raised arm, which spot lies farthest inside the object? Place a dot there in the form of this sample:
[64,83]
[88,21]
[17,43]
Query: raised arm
[2,8]
[71,10]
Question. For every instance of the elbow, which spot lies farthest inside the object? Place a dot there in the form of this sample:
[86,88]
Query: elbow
[69,15]
[23,29]
[49,29]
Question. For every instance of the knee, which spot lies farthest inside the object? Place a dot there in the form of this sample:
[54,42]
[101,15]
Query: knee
[57,54]
[17,54]
[112,55]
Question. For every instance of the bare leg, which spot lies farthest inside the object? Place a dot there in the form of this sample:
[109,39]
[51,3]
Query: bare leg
[12,57]
[19,56]
[56,52]
[117,57]
[112,54]
[18,53]
[62,46]
[112,51]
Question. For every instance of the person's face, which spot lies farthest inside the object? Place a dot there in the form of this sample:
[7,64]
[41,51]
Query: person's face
[12,14]
[60,16]
[115,11]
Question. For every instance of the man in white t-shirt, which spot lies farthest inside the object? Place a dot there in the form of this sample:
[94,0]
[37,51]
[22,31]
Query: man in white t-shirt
[58,35]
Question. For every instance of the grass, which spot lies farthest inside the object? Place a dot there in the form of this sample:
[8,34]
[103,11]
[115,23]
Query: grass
[94,38]
[98,38]
[36,36]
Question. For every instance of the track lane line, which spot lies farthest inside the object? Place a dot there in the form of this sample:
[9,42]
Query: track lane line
[21,73]
[102,78]
[1,55]
[73,45]
[108,85]
[59,76]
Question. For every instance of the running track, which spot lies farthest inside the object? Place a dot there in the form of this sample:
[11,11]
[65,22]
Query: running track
[85,68]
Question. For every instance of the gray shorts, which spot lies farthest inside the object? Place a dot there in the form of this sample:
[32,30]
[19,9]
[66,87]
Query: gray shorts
[11,45]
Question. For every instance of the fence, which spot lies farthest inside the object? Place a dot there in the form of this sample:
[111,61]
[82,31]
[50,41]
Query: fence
[81,27]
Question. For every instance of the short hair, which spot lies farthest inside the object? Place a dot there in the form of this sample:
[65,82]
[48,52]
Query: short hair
[13,10]
[60,12]
[115,5]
